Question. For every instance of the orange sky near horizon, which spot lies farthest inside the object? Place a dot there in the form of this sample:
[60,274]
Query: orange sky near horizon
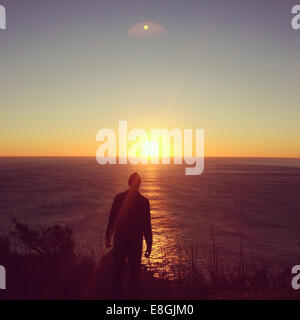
[215,146]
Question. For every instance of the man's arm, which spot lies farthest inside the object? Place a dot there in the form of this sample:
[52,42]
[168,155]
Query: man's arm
[111,223]
[148,229]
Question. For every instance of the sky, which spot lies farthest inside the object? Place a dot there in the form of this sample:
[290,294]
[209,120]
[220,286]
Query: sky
[70,68]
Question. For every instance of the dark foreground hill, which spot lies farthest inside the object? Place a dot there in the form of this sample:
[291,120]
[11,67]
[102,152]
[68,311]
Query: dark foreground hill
[45,264]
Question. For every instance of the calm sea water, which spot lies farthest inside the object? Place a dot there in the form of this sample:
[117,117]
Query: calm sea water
[258,198]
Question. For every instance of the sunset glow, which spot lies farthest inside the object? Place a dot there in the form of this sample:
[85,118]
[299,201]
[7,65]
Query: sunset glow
[150,149]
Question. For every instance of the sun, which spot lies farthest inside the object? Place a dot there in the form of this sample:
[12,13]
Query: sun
[146,27]
[150,149]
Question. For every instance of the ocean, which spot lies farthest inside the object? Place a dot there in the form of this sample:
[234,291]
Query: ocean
[253,199]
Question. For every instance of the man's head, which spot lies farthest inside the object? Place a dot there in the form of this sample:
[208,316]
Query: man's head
[134,181]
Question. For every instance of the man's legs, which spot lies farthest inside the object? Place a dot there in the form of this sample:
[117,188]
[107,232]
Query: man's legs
[134,260]
[119,261]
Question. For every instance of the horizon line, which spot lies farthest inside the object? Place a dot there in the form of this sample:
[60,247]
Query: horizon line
[266,157]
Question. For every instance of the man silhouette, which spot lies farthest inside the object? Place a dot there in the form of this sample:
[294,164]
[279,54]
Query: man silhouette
[130,220]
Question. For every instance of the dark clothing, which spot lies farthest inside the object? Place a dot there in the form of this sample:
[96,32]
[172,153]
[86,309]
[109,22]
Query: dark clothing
[134,264]
[130,219]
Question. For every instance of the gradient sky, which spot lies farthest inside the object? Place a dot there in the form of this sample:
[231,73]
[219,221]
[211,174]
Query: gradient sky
[69,68]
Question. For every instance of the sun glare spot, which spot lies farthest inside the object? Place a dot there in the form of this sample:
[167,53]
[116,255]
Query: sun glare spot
[150,148]
[146,27]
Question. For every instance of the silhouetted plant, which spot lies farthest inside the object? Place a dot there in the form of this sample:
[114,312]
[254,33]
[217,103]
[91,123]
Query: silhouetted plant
[54,240]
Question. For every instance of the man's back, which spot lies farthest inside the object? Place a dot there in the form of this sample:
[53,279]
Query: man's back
[130,217]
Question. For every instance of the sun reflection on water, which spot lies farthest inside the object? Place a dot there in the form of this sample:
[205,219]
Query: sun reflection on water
[164,237]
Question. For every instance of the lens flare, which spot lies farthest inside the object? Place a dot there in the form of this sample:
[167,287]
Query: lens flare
[149,28]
